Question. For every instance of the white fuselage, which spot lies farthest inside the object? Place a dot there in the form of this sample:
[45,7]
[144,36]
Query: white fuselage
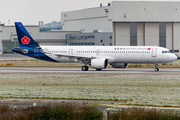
[114,54]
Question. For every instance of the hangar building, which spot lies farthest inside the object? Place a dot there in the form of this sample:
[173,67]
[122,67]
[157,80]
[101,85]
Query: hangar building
[131,22]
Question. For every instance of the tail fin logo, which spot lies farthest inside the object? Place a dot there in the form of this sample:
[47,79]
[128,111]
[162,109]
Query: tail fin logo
[25,40]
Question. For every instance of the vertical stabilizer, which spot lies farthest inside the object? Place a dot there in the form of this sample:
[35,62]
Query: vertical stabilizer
[24,38]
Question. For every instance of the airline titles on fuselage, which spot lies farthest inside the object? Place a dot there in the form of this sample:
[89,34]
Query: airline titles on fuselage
[117,48]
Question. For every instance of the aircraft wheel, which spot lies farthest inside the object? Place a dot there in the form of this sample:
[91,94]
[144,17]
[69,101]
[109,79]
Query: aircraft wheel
[98,69]
[85,68]
[156,69]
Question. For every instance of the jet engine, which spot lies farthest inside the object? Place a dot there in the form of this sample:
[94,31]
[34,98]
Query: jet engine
[119,65]
[99,63]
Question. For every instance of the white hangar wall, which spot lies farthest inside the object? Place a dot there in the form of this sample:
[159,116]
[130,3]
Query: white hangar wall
[146,11]
[176,35]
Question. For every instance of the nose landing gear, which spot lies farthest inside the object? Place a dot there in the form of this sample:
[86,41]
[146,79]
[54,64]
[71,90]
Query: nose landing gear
[156,67]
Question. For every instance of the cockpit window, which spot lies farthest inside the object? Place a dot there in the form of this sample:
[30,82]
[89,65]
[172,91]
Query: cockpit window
[166,52]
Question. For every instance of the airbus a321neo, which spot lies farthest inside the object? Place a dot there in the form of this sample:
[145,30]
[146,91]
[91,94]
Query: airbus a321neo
[98,57]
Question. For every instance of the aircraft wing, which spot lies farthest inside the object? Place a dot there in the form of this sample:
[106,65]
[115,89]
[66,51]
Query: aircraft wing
[75,56]
[85,58]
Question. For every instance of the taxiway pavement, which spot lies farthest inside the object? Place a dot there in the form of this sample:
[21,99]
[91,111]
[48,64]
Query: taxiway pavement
[91,71]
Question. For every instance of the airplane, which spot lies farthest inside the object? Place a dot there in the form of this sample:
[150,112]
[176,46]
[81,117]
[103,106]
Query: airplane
[98,57]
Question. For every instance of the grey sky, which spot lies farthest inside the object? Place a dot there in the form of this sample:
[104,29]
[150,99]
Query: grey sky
[29,12]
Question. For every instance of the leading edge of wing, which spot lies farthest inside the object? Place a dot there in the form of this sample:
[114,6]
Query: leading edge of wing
[75,56]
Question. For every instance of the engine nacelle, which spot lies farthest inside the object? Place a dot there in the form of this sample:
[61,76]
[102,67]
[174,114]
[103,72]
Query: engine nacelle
[99,63]
[119,65]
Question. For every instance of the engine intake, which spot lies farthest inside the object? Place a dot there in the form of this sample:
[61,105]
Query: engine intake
[99,63]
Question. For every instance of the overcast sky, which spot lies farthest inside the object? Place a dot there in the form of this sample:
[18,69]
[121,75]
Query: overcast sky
[30,12]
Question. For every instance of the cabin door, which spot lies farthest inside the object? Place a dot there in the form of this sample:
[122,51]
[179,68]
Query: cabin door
[154,52]
[70,51]
[36,51]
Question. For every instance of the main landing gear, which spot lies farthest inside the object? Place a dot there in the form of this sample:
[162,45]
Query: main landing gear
[85,68]
[98,69]
[156,67]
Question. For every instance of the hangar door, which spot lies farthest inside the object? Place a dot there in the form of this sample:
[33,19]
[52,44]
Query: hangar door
[8,45]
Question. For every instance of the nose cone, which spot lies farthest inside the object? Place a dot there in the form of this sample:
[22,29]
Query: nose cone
[173,57]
